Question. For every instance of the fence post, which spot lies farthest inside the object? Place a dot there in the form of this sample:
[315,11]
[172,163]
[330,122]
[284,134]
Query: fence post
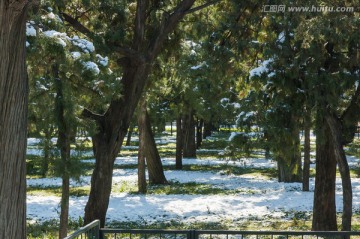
[192,234]
[98,230]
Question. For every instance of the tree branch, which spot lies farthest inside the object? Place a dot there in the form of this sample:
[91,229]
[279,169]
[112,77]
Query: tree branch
[77,25]
[350,118]
[168,24]
[140,20]
[198,8]
[90,115]
[134,55]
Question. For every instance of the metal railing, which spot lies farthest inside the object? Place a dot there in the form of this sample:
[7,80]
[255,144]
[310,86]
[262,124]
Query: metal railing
[93,231]
[90,231]
[222,234]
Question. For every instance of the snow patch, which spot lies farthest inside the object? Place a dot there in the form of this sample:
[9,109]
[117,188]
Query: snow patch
[104,61]
[92,66]
[30,30]
[261,69]
[84,44]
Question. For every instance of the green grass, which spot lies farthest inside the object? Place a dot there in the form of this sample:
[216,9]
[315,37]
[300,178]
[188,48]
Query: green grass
[49,229]
[214,144]
[231,169]
[124,187]
[56,191]
[191,188]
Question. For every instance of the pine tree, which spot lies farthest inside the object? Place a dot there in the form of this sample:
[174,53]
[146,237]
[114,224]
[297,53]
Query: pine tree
[58,66]
[145,33]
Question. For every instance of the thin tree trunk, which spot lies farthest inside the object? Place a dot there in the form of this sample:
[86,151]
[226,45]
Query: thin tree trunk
[154,164]
[63,145]
[199,132]
[153,160]
[129,134]
[13,119]
[142,149]
[335,129]
[171,128]
[64,215]
[46,142]
[324,210]
[306,168]
[179,143]
[189,150]
[207,129]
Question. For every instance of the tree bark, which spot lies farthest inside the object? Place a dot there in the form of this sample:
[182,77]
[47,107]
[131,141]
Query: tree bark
[335,129]
[142,149]
[13,119]
[179,143]
[189,150]
[306,167]
[324,210]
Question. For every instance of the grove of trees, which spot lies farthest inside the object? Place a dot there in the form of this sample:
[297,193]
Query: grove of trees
[98,68]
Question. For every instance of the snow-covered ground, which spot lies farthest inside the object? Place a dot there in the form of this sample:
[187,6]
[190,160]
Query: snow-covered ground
[254,197]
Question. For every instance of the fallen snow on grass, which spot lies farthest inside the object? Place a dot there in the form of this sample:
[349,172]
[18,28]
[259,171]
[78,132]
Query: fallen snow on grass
[255,197]
[251,196]
[275,202]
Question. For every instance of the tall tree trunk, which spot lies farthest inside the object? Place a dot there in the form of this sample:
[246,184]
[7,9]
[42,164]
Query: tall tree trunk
[63,145]
[289,161]
[288,172]
[189,150]
[199,132]
[129,134]
[153,160]
[171,128]
[324,210]
[107,142]
[46,143]
[13,119]
[266,144]
[335,129]
[307,150]
[142,149]
[113,125]
[64,214]
[208,127]
[179,143]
